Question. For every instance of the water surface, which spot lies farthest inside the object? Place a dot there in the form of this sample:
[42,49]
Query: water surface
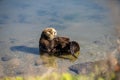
[21,24]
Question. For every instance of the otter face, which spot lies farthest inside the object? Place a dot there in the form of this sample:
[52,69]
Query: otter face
[51,33]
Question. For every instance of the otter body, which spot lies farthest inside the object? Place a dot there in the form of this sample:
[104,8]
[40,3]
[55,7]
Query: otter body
[63,46]
[45,45]
[46,40]
[53,45]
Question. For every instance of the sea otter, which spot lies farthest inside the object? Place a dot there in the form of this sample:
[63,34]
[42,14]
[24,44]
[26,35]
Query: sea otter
[53,45]
[46,40]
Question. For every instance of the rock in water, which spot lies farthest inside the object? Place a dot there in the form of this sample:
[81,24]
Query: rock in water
[83,68]
[97,67]
[6,58]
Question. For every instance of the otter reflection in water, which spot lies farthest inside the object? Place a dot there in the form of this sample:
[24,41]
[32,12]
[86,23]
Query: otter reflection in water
[52,61]
[49,61]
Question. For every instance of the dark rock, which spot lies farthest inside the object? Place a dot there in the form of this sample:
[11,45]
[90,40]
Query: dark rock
[98,42]
[84,68]
[37,62]
[74,70]
[99,68]
[19,72]
[6,58]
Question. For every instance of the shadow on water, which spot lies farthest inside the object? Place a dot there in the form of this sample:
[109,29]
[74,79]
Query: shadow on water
[47,60]
[26,49]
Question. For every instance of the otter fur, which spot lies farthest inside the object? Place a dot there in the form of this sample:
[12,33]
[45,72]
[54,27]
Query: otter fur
[63,45]
[45,41]
[53,45]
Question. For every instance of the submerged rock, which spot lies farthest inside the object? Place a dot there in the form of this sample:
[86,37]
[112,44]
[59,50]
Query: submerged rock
[37,62]
[99,68]
[6,58]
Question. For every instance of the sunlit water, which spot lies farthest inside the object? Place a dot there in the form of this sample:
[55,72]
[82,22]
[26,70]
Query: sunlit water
[22,21]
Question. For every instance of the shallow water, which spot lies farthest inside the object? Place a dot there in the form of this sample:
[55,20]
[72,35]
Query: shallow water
[21,24]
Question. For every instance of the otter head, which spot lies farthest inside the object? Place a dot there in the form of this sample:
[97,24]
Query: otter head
[50,33]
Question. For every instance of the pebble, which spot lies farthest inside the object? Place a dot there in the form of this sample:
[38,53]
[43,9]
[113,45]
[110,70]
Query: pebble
[19,72]
[5,58]
[98,42]
[81,68]
[37,62]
